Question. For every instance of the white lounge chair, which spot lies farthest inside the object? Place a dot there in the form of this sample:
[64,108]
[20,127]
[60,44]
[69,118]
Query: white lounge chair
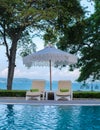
[37,90]
[64,90]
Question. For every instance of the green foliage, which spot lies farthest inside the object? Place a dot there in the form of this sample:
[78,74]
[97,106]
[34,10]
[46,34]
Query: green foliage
[68,21]
[76,94]
[18,21]
[50,36]
[26,45]
[85,94]
[90,51]
[12,93]
[62,22]
[80,35]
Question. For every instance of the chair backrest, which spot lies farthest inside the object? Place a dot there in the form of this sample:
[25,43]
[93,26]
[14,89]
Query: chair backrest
[39,84]
[64,84]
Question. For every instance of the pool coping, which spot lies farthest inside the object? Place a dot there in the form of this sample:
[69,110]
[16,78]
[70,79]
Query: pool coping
[21,100]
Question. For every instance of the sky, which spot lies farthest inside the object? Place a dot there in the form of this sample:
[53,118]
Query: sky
[36,72]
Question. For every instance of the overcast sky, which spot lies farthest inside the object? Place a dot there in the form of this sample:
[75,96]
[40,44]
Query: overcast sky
[37,72]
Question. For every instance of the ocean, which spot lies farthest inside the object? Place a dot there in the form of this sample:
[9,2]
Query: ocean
[25,84]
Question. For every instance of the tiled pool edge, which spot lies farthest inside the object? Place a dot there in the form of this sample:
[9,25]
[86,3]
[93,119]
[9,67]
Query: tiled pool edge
[83,102]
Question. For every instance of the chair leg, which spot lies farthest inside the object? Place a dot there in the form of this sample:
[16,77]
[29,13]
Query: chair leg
[38,98]
[42,96]
[56,97]
[27,98]
[64,97]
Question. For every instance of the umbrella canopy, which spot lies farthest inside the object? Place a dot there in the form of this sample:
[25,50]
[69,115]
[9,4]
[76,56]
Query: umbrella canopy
[49,56]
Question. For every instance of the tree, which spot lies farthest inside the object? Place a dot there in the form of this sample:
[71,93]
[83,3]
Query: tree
[90,52]
[69,27]
[83,38]
[70,15]
[81,35]
[19,18]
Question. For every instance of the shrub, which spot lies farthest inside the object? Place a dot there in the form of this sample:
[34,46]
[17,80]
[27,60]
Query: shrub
[76,94]
[12,93]
[86,94]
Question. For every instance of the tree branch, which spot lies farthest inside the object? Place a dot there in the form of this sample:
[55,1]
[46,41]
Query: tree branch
[5,42]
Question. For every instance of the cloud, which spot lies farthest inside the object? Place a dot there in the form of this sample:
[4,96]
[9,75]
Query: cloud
[43,73]
[4,72]
[64,74]
[32,73]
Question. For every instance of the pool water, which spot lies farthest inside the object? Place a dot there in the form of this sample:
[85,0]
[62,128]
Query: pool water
[30,117]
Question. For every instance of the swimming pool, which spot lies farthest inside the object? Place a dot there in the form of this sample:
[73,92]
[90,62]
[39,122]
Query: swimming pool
[30,117]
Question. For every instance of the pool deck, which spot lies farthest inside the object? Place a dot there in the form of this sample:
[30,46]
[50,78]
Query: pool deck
[85,102]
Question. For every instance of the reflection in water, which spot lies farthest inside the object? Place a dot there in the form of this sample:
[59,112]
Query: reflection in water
[67,117]
[29,117]
[89,117]
[10,116]
[7,117]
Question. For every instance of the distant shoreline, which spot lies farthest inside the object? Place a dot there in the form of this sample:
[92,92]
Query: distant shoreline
[25,84]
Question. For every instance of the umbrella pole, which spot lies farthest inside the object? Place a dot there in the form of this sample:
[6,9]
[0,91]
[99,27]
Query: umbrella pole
[50,76]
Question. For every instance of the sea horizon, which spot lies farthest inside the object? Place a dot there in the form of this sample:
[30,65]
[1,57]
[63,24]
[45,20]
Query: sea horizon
[26,83]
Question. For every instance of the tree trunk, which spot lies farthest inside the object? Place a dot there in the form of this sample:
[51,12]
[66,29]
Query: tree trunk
[11,64]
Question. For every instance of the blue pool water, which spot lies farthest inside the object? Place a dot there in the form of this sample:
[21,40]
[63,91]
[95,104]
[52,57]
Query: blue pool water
[29,117]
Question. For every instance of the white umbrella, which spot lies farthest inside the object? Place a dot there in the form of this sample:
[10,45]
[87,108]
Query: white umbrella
[49,56]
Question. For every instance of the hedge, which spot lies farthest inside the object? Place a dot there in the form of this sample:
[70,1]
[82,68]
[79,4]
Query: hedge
[12,93]
[76,94]
[86,94]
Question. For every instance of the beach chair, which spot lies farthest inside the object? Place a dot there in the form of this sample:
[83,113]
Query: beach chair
[37,91]
[64,90]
